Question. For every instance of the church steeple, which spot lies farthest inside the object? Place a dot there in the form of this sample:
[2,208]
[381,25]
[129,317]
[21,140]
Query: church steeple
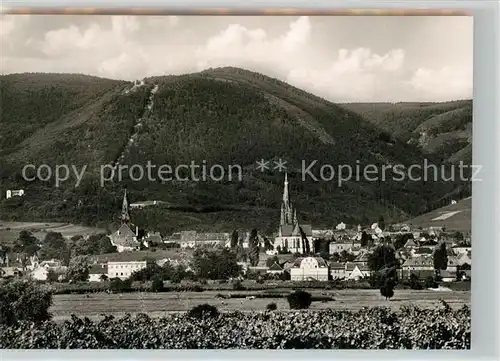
[287,213]
[286,196]
[125,211]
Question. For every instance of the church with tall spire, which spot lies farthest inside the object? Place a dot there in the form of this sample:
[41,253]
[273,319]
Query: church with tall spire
[125,239]
[292,236]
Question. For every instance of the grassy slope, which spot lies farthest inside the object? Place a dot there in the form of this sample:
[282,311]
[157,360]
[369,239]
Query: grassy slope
[224,116]
[460,221]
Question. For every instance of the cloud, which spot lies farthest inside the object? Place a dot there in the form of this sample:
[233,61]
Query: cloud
[442,84]
[240,46]
[130,47]
[353,75]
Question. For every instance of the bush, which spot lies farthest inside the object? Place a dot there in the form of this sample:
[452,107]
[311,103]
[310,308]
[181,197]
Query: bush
[24,300]
[157,284]
[117,285]
[387,289]
[237,286]
[414,282]
[299,300]
[430,282]
[368,328]
[271,306]
[203,311]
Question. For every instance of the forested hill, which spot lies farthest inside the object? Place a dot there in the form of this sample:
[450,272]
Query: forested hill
[225,116]
[441,129]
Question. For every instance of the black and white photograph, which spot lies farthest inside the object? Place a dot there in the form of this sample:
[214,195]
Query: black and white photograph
[236,182]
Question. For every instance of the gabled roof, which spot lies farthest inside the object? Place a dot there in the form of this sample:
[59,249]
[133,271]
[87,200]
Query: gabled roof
[410,243]
[275,267]
[320,260]
[98,269]
[288,230]
[124,237]
[423,250]
[362,257]
[419,261]
[350,266]
[337,265]
[153,238]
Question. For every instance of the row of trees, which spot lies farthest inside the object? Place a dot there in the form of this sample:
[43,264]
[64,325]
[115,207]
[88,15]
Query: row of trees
[55,246]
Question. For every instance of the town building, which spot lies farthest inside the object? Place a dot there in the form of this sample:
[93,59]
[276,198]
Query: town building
[292,236]
[192,239]
[309,269]
[124,239]
[421,266]
[40,270]
[337,270]
[275,269]
[98,273]
[124,270]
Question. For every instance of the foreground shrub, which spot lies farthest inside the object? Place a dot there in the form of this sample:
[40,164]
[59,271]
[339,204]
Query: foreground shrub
[299,300]
[271,306]
[24,300]
[203,311]
[157,284]
[373,328]
[238,286]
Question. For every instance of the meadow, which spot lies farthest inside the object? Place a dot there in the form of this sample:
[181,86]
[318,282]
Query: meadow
[94,305]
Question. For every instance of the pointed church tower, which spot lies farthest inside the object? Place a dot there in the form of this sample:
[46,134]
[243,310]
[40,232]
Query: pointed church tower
[125,218]
[286,205]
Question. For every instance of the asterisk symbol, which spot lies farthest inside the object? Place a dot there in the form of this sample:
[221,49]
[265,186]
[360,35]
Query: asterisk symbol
[280,165]
[262,165]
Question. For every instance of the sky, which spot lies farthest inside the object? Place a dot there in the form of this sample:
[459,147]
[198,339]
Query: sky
[341,58]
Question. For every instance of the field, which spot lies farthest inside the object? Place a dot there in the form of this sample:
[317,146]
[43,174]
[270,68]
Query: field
[159,304]
[10,230]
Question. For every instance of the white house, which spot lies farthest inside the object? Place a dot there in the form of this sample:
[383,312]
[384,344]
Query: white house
[14,193]
[337,270]
[192,239]
[308,269]
[40,271]
[123,270]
